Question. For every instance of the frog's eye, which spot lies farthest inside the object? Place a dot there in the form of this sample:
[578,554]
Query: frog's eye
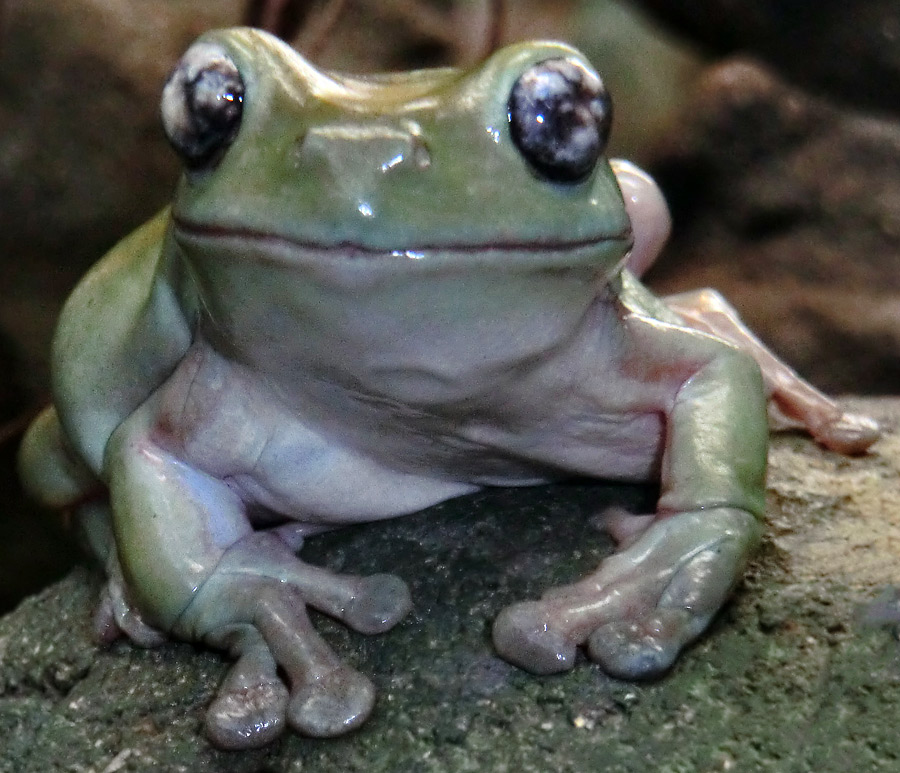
[559,119]
[202,104]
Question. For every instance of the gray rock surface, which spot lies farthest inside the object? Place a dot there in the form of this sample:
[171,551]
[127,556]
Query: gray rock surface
[792,676]
[791,207]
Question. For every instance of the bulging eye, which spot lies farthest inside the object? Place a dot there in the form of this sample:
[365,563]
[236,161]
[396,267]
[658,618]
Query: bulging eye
[202,104]
[559,119]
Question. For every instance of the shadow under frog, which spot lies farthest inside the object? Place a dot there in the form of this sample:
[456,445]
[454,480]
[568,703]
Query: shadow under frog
[371,295]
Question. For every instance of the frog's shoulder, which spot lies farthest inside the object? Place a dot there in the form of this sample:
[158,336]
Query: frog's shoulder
[120,334]
[634,296]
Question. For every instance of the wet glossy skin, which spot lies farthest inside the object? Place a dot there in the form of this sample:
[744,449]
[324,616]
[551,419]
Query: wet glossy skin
[367,301]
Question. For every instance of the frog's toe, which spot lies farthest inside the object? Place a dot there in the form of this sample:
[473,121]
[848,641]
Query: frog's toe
[332,704]
[116,616]
[264,621]
[645,648]
[249,710]
[849,433]
[380,602]
[524,636]
[247,717]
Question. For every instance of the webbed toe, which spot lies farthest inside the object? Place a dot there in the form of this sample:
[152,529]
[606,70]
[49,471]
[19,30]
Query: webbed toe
[331,705]
[247,717]
[523,636]
[381,601]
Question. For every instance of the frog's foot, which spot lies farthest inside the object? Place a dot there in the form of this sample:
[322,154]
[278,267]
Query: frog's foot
[642,606]
[794,402]
[842,431]
[255,603]
[250,708]
[117,616]
[624,527]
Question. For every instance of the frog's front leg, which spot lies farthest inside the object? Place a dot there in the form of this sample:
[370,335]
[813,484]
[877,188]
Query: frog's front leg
[795,401]
[196,568]
[645,603]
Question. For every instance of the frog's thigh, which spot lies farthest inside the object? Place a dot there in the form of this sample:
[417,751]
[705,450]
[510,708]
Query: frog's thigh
[197,568]
[794,399]
[645,603]
[48,468]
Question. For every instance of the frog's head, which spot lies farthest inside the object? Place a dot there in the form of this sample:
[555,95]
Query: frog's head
[370,185]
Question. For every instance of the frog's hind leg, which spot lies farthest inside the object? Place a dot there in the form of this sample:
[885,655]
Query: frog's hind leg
[49,470]
[198,569]
[55,476]
[644,604]
[794,401]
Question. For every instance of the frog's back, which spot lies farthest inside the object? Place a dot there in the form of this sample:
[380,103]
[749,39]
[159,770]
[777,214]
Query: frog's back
[119,336]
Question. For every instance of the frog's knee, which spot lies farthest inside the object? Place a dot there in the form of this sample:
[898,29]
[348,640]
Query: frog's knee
[738,367]
[707,299]
[49,470]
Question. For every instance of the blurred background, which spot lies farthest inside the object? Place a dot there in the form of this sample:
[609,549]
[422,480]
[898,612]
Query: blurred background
[773,126]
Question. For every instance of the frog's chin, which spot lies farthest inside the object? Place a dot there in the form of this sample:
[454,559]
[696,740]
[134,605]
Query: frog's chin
[267,247]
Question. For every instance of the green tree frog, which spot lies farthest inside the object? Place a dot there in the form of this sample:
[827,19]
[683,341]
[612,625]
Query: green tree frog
[372,294]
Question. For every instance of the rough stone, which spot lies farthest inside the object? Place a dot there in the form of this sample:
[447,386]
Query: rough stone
[791,207]
[800,672]
[846,50]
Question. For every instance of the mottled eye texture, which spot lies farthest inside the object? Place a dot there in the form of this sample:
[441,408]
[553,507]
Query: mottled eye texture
[559,119]
[202,104]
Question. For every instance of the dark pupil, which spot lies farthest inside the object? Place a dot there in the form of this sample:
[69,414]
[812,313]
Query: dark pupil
[559,117]
[215,98]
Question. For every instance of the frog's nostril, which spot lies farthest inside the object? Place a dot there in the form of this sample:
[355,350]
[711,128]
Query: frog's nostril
[415,156]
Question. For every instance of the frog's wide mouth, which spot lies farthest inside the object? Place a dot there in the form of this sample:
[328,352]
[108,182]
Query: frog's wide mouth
[281,249]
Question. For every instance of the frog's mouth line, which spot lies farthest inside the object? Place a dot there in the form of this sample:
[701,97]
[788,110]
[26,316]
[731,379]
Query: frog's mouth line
[354,250]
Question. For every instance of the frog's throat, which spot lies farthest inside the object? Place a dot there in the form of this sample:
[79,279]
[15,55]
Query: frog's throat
[275,243]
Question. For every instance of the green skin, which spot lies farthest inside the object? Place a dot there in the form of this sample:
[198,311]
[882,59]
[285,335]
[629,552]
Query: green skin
[370,304]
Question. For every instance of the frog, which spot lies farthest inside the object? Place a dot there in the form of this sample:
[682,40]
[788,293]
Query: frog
[372,294]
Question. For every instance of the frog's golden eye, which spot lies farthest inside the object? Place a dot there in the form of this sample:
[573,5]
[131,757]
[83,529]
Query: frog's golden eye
[202,104]
[559,119]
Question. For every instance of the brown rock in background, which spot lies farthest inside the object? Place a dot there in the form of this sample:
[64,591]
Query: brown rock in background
[791,207]
[79,103]
[850,51]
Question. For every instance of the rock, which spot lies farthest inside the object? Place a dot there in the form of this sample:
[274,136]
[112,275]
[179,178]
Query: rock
[791,207]
[845,50]
[787,679]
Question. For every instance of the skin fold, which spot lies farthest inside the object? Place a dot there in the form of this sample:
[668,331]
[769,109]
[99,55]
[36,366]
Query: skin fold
[371,295]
